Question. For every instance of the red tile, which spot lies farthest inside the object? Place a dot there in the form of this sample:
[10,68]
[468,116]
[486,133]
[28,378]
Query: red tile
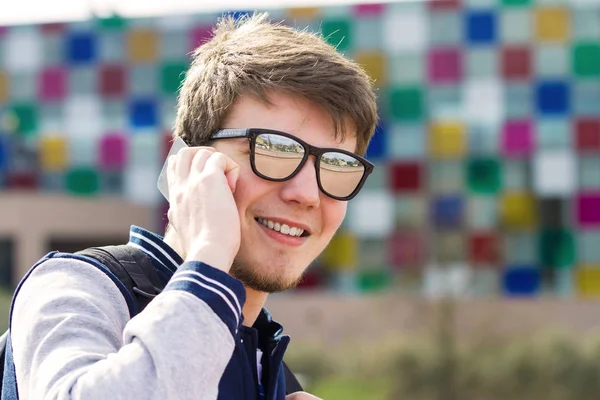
[516,62]
[406,249]
[112,81]
[199,36]
[484,248]
[22,180]
[53,28]
[405,177]
[445,65]
[52,84]
[587,131]
[113,155]
[369,9]
[444,4]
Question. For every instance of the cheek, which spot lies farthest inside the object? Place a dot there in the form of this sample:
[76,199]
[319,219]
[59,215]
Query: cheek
[333,213]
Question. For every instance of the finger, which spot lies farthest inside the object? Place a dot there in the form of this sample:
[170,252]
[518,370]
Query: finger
[184,161]
[232,178]
[200,158]
[219,162]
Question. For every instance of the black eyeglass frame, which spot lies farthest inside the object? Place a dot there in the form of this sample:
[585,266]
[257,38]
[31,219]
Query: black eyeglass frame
[253,133]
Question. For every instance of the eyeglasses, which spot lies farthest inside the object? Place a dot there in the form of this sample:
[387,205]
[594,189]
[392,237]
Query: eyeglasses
[278,156]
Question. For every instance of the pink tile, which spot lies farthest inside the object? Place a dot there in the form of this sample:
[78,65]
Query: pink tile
[588,209]
[405,249]
[199,36]
[3,30]
[445,65]
[53,84]
[113,152]
[518,138]
[369,9]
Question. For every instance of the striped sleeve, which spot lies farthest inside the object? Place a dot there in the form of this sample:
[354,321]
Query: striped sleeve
[224,294]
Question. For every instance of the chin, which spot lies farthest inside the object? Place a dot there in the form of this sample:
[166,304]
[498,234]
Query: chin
[264,281]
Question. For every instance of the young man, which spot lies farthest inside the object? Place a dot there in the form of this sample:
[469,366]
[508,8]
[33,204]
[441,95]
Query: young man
[286,118]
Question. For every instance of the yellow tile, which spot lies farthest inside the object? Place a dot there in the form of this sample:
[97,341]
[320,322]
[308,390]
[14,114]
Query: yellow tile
[518,210]
[587,280]
[4,86]
[142,45]
[374,63]
[552,24]
[53,154]
[447,140]
[341,252]
[303,12]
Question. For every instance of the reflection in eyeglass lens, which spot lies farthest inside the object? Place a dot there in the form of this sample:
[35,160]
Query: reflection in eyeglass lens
[277,156]
[340,173]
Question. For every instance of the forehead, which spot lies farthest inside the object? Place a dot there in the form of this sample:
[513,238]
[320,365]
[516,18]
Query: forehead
[294,115]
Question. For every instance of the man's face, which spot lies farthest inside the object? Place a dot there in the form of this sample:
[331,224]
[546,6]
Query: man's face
[268,260]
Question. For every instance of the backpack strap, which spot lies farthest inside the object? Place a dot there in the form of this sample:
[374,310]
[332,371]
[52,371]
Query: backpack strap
[291,382]
[132,267]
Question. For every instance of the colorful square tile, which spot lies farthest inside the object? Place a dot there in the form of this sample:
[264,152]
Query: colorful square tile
[586,98]
[81,48]
[22,180]
[4,87]
[406,103]
[111,80]
[445,28]
[362,10]
[377,149]
[445,65]
[303,12]
[587,209]
[113,22]
[482,101]
[516,62]
[82,181]
[142,46]
[588,281]
[588,251]
[517,175]
[518,210]
[53,84]
[480,27]
[396,24]
[113,152]
[554,173]
[172,76]
[484,249]
[437,5]
[448,211]
[371,214]
[516,3]
[518,138]
[482,212]
[447,140]
[587,134]
[342,251]
[407,141]
[198,36]
[481,62]
[22,51]
[586,59]
[589,172]
[337,32]
[372,253]
[554,133]
[406,249]
[406,68]
[552,24]
[26,115]
[484,175]
[553,97]
[521,281]
[516,25]
[449,247]
[406,177]
[446,177]
[375,65]
[518,100]
[53,154]
[83,116]
[557,248]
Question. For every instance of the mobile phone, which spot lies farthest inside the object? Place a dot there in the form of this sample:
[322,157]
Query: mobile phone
[163,183]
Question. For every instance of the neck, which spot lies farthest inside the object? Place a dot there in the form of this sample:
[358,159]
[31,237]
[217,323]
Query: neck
[255,300]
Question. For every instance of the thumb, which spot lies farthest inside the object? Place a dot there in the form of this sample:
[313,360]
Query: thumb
[232,177]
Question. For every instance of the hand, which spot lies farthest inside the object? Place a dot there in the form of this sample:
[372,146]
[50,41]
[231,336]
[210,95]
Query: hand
[301,396]
[202,209]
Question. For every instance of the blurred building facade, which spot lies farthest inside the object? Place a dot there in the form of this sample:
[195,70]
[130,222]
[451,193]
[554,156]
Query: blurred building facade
[487,156]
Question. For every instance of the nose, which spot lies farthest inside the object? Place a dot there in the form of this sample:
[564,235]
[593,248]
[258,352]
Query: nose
[303,188]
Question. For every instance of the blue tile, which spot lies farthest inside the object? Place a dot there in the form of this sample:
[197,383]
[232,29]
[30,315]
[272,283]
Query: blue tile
[553,97]
[448,211]
[143,113]
[521,280]
[377,145]
[4,153]
[81,48]
[481,27]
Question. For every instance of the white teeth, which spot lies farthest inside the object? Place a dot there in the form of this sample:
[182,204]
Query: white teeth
[281,228]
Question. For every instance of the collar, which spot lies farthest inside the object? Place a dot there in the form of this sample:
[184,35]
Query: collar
[162,255]
[267,327]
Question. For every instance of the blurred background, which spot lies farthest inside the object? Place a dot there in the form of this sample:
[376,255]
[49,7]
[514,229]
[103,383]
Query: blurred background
[469,265]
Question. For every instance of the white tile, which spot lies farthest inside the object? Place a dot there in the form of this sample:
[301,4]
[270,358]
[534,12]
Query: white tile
[554,173]
[140,185]
[83,117]
[482,62]
[551,60]
[405,30]
[554,133]
[371,214]
[586,23]
[22,51]
[483,101]
[445,28]
[516,25]
[407,141]
[82,151]
[145,149]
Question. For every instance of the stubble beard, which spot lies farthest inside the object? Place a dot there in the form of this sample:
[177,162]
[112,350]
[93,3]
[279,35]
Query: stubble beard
[251,277]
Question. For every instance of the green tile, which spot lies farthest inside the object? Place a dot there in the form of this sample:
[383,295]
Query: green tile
[172,75]
[374,280]
[557,248]
[26,115]
[406,104]
[337,33]
[484,175]
[113,22]
[586,59]
[514,3]
[82,181]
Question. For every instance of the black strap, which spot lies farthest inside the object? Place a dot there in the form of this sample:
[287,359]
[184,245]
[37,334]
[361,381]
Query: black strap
[291,382]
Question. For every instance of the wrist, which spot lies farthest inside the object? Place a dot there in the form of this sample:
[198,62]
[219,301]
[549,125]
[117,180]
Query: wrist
[211,255]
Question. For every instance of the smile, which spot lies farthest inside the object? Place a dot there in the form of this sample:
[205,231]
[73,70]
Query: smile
[281,228]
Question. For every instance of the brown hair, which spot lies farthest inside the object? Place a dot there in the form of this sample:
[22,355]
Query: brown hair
[253,56]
